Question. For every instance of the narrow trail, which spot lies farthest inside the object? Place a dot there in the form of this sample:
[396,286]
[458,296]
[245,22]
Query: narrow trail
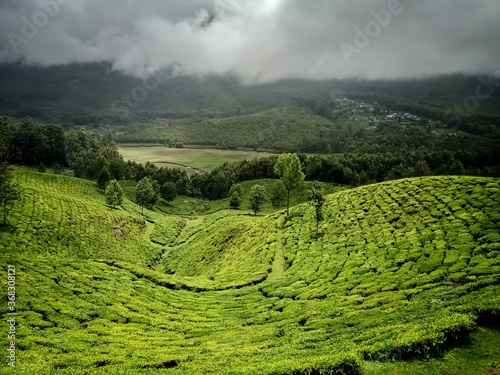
[150,227]
[279,261]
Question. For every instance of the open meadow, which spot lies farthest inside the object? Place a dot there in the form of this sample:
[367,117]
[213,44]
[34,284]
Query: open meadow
[188,159]
[403,276]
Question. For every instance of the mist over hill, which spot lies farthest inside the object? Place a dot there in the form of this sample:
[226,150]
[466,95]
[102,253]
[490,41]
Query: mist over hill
[92,94]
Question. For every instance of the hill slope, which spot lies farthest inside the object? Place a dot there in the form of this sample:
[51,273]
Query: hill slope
[404,269]
[92,93]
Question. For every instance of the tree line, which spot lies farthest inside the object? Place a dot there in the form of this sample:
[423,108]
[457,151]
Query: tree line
[93,156]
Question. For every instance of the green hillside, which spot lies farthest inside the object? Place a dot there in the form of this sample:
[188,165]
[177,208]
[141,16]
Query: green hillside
[86,94]
[403,270]
[277,129]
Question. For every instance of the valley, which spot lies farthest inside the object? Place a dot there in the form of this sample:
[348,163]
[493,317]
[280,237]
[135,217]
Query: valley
[191,160]
[403,270]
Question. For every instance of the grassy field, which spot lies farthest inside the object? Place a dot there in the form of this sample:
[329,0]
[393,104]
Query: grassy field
[404,277]
[188,159]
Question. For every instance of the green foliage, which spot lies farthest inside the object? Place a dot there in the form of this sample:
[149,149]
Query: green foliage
[316,200]
[103,178]
[236,188]
[257,198]
[454,167]
[144,192]
[234,199]
[168,191]
[9,189]
[421,169]
[235,194]
[42,168]
[88,153]
[61,217]
[289,168]
[155,186]
[114,194]
[403,270]
[183,186]
[278,193]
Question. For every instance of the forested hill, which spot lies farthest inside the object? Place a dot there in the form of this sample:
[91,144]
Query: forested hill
[92,94]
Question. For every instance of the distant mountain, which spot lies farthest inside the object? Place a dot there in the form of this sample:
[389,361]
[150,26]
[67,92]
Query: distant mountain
[89,94]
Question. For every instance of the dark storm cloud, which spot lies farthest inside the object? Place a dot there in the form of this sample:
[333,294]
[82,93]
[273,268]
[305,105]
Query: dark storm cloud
[258,39]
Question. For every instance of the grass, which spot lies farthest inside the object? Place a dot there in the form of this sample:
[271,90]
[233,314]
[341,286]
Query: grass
[188,159]
[480,357]
[404,277]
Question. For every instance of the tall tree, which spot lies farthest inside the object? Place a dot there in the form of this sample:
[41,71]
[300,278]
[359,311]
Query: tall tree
[168,191]
[278,194]
[183,185]
[103,178]
[144,192]
[114,194]
[317,199]
[156,192]
[234,200]
[9,191]
[257,198]
[289,168]
[235,196]
[236,188]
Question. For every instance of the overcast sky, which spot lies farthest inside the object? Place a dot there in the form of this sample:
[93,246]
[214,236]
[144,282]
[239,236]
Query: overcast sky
[259,40]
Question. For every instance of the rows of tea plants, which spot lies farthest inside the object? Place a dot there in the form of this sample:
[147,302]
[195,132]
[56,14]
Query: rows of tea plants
[230,250]
[66,217]
[399,270]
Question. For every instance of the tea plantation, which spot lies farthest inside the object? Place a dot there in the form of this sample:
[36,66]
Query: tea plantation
[403,275]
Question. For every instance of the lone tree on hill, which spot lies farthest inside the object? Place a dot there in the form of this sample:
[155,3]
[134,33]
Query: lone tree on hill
[114,194]
[8,188]
[235,200]
[168,191]
[236,188]
[103,178]
[317,199]
[278,193]
[144,192]
[235,194]
[257,198]
[289,168]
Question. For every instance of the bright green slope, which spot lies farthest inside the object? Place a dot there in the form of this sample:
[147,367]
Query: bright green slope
[400,270]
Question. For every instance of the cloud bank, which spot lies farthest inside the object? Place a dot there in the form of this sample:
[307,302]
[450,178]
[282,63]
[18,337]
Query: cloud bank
[258,40]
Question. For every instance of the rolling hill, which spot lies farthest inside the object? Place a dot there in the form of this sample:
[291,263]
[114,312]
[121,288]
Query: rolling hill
[94,94]
[402,270]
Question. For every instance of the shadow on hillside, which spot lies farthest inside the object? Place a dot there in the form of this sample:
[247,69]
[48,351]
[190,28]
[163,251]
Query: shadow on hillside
[7,228]
[489,319]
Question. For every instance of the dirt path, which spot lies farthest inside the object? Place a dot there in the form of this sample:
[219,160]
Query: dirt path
[150,227]
[279,261]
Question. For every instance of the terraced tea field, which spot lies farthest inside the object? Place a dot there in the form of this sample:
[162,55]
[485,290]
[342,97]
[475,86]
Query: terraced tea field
[400,270]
